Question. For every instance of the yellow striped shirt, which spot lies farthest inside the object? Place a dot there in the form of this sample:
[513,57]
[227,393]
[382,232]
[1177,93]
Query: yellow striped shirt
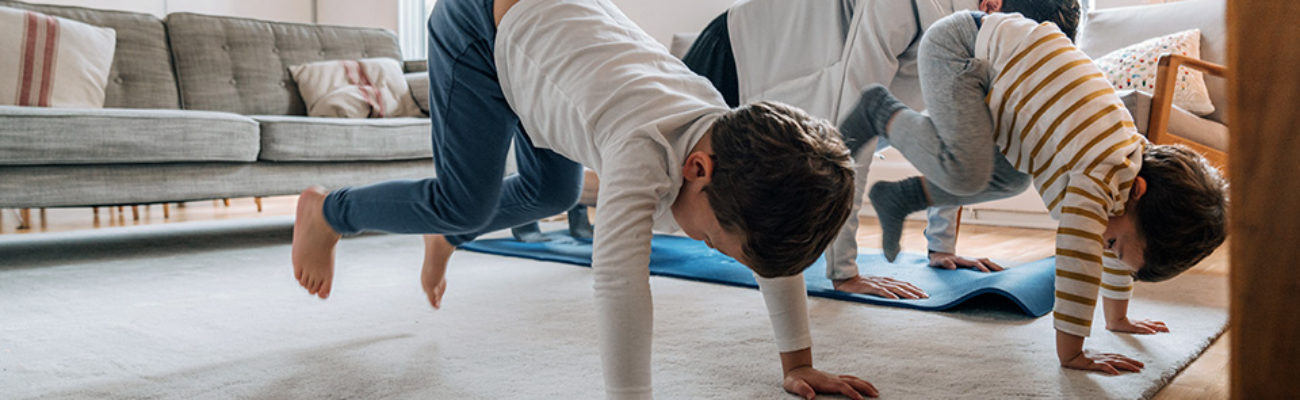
[1058,119]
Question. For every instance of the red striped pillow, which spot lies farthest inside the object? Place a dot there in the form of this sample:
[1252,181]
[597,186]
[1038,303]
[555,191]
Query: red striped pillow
[370,87]
[48,61]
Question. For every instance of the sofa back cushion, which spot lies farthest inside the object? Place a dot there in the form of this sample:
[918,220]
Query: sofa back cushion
[1110,29]
[141,75]
[241,65]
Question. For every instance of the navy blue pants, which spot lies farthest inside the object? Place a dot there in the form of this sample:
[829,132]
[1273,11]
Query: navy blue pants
[473,127]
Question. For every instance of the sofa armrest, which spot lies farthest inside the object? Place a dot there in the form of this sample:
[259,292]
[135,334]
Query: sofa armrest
[1163,99]
[419,84]
[409,66]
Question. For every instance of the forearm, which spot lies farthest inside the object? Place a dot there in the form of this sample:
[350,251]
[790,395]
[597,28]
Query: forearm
[1116,310]
[1068,346]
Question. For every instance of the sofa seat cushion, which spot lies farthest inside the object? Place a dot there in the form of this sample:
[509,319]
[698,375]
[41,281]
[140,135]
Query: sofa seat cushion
[288,138]
[1181,122]
[57,136]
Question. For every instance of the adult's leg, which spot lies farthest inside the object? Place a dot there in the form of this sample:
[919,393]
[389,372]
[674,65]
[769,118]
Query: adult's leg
[711,57]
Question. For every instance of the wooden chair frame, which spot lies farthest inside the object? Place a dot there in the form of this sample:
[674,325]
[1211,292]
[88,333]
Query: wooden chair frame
[1162,105]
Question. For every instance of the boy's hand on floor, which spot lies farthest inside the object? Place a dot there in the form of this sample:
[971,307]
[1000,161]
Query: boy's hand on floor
[886,287]
[1105,362]
[807,381]
[1143,327]
[953,261]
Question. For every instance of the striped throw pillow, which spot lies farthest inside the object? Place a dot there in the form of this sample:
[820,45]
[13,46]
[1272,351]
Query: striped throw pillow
[366,88]
[48,61]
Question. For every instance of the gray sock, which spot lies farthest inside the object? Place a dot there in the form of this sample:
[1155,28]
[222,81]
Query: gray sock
[529,233]
[579,224]
[892,202]
[869,117]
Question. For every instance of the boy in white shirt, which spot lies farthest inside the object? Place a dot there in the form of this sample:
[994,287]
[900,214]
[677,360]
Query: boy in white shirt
[576,81]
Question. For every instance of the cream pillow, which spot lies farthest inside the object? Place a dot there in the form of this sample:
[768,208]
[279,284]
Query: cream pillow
[48,61]
[371,87]
[1135,67]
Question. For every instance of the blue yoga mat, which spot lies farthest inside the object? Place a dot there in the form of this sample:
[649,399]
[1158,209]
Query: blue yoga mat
[1029,285]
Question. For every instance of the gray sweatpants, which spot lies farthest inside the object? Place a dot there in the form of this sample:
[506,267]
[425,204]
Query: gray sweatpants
[953,146]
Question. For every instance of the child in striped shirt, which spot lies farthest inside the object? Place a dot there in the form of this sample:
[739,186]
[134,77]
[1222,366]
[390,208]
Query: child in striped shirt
[1008,97]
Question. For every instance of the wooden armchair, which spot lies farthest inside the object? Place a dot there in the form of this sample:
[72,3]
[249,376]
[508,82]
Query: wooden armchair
[1162,103]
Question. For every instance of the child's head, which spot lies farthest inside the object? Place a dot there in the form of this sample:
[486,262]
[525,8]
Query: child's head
[779,183]
[1063,13]
[1183,212]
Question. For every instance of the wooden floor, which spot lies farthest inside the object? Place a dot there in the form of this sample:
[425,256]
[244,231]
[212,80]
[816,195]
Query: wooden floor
[1207,378]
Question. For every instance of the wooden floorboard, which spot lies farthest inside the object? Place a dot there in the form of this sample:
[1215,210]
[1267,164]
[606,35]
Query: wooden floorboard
[1206,378]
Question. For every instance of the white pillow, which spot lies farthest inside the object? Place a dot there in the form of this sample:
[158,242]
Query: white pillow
[1135,67]
[48,61]
[371,87]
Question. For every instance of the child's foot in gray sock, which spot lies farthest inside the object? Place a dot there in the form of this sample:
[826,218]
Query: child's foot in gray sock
[893,201]
[870,117]
[579,223]
[529,233]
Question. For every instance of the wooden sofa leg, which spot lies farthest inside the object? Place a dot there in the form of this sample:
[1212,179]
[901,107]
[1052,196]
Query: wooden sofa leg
[258,200]
[135,213]
[167,210]
[226,201]
[25,218]
[119,209]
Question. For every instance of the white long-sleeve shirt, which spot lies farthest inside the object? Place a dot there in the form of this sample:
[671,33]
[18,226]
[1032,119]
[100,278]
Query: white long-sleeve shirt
[820,54]
[590,85]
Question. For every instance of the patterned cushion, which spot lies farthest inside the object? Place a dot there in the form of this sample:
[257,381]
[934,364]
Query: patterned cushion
[372,87]
[47,61]
[1134,67]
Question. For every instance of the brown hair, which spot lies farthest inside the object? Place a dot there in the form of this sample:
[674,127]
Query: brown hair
[1183,214]
[1063,13]
[782,179]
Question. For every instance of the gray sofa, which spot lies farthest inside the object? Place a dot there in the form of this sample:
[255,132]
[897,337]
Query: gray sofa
[203,107]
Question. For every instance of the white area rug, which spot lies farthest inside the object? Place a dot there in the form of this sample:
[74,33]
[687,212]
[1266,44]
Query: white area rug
[210,311]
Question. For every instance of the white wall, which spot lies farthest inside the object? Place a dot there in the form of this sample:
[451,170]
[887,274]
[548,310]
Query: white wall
[371,13]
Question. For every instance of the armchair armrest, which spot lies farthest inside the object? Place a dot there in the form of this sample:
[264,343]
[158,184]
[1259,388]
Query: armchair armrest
[1163,99]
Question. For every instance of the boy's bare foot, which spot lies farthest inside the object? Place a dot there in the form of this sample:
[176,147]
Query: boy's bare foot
[313,244]
[433,277]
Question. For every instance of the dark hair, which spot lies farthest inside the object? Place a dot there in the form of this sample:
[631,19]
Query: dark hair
[1064,13]
[784,180]
[1183,214]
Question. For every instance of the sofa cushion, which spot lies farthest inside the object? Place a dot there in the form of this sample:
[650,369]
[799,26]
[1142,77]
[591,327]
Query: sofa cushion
[287,138]
[242,65]
[1181,122]
[53,136]
[1110,29]
[141,75]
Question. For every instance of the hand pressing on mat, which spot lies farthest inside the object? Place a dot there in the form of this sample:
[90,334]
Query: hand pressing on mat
[1117,319]
[886,287]
[944,260]
[1069,349]
[802,380]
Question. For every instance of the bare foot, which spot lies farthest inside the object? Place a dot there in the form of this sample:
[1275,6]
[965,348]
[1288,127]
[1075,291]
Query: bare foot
[433,276]
[313,244]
